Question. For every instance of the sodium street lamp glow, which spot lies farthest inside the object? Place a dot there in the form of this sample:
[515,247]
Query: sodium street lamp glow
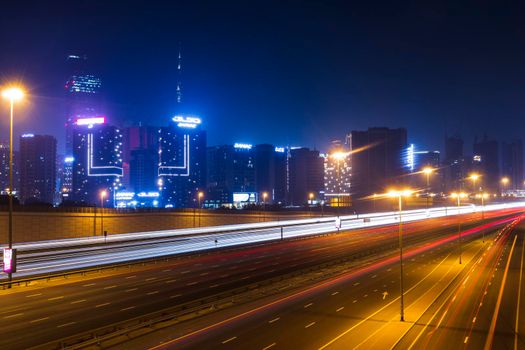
[12,94]
[399,194]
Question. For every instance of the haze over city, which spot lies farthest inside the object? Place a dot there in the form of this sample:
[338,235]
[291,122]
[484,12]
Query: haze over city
[261,175]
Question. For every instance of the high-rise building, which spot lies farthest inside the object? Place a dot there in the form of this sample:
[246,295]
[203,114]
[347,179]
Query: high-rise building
[97,153]
[454,164]
[512,163]
[66,182]
[337,174]
[380,159]
[37,168]
[182,162]
[4,167]
[140,157]
[83,95]
[306,175]
[230,171]
[270,172]
[486,162]
[428,159]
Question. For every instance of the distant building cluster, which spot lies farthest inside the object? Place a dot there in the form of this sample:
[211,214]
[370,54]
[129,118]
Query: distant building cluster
[171,166]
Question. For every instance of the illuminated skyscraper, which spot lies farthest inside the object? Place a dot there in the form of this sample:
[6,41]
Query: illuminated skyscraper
[182,162]
[97,153]
[83,94]
[37,168]
[337,174]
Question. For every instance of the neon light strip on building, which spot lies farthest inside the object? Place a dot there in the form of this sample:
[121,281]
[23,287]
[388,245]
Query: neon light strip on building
[93,167]
[186,164]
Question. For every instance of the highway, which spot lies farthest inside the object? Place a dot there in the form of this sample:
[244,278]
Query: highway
[66,307]
[38,258]
[446,305]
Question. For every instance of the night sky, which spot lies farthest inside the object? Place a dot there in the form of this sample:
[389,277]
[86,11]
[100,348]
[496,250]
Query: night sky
[288,73]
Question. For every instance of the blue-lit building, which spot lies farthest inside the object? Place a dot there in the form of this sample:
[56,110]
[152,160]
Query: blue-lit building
[97,153]
[230,171]
[182,162]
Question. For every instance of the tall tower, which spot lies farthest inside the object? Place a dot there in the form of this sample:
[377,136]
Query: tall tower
[179,78]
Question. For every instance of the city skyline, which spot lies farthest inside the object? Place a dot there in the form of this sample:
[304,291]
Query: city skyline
[344,74]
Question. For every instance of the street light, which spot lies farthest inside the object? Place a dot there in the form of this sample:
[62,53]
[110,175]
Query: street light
[474,177]
[505,181]
[458,196]
[12,94]
[264,195]
[310,200]
[103,195]
[399,195]
[483,196]
[428,171]
[199,197]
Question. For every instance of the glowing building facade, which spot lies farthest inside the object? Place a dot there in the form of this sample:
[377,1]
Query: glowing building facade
[182,162]
[97,153]
[337,175]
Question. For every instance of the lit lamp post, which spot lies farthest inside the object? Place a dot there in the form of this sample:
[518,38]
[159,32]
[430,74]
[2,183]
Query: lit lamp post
[458,197]
[310,200]
[264,195]
[504,182]
[399,195]
[483,196]
[12,94]
[474,178]
[200,195]
[428,171]
[103,195]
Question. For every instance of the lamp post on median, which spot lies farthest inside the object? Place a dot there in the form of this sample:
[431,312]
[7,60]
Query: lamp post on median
[12,94]
[428,171]
[200,195]
[103,195]
[458,197]
[474,177]
[310,202]
[504,182]
[264,195]
[399,195]
[483,196]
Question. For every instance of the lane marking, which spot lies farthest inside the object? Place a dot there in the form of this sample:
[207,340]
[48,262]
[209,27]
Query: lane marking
[341,308]
[170,281]
[100,305]
[131,277]
[269,346]
[88,285]
[39,319]
[519,297]
[229,340]
[56,298]
[127,308]
[335,293]
[151,293]
[274,320]
[175,296]
[308,305]
[191,283]
[78,301]
[150,279]
[490,337]
[309,325]
[131,290]
[66,324]
[15,315]
[110,287]
[33,295]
